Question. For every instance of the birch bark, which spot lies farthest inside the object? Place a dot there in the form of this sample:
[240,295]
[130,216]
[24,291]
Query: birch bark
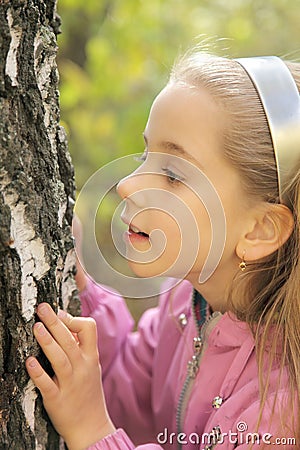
[36,188]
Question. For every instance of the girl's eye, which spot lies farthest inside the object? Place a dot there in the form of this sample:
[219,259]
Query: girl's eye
[173,178]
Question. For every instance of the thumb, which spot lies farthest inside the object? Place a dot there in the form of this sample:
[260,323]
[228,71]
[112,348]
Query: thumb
[84,329]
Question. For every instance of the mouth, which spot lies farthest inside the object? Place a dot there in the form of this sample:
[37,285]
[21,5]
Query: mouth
[132,230]
[134,234]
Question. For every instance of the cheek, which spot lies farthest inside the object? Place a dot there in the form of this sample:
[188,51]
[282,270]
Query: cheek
[201,231]
[204,235]
[188,236]
[166,232]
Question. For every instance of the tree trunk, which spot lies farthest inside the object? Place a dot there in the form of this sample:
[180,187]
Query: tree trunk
[36,185]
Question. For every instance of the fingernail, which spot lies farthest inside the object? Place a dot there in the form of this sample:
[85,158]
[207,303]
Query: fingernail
[43,309]
[31,362]
[40,328]
[62,314]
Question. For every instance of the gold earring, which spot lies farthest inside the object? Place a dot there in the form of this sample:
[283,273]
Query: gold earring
[243,264]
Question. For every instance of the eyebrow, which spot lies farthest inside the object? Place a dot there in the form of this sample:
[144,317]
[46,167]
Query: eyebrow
[172,147]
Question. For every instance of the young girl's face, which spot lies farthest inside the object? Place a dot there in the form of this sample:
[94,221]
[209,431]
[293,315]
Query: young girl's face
[185,198]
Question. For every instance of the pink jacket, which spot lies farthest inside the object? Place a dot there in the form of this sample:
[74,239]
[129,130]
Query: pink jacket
[148,373]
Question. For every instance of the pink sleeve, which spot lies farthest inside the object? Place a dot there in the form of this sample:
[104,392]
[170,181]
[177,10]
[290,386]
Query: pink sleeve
[120,441]
[126,359]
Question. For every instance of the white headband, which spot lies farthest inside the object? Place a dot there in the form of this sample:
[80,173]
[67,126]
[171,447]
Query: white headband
[279,96]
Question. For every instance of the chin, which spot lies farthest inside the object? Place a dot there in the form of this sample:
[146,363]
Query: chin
[144,270]
[153,271]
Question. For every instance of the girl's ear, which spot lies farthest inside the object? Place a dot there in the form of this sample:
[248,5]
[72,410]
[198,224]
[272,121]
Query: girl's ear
[267,230]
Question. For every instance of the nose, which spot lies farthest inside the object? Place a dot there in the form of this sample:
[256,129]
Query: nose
[134,187]
[130,185]
[125,187]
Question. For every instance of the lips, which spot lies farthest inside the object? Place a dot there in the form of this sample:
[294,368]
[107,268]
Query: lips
[134,233]
[133,229]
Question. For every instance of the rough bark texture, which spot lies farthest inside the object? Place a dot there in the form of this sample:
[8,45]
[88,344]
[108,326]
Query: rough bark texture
[36,184]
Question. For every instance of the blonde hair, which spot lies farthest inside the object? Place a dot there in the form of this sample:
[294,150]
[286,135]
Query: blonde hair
[270,287]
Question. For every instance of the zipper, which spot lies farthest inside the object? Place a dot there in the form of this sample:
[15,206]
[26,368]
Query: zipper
[192,367]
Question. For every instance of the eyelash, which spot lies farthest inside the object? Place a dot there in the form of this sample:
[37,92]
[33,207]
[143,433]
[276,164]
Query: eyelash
[172,177]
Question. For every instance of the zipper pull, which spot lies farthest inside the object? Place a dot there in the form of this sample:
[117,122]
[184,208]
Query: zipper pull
[193,364]
[197,345]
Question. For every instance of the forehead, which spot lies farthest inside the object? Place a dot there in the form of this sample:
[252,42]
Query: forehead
[176,96]
[188,117]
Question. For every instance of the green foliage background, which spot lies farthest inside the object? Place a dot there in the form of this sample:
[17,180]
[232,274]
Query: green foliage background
[115,56]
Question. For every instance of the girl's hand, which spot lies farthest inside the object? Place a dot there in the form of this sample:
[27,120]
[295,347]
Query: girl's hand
[74,398]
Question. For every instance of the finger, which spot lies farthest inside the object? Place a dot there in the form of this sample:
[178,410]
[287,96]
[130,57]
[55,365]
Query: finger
[60,362]
[41,379]
[63,337]
[85,329]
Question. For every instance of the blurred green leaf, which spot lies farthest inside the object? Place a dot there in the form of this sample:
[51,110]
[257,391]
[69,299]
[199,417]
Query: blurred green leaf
[115,56]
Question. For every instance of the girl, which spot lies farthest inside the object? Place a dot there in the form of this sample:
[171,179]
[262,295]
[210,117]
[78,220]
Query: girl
[216,365]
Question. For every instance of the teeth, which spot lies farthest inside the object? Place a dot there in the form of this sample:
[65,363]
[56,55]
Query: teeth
[134,229]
